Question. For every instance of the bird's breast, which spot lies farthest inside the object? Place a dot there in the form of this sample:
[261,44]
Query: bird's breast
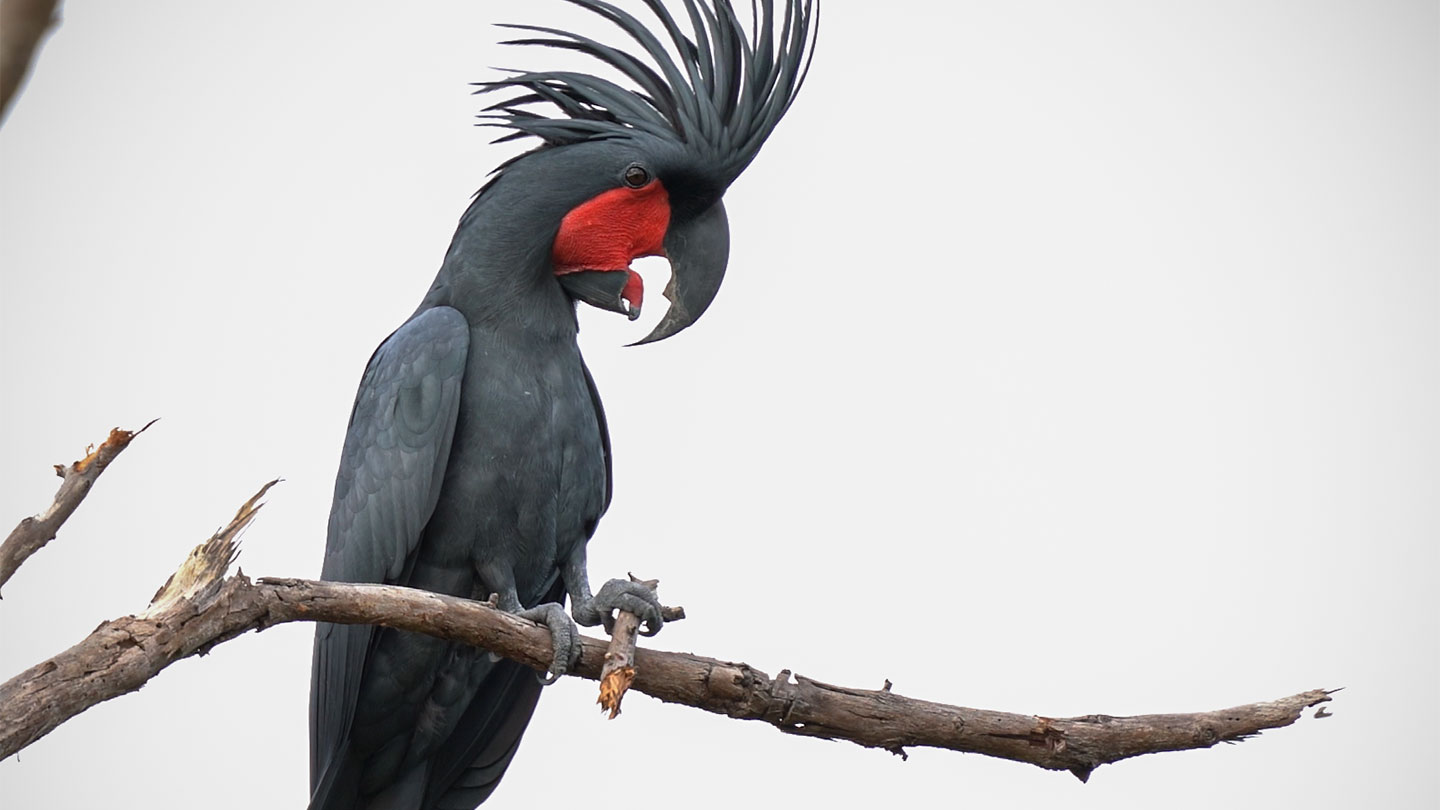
[526,475]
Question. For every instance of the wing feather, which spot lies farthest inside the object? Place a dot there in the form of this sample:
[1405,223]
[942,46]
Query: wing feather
[391,470]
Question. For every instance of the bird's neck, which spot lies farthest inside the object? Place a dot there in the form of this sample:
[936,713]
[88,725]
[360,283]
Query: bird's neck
[499,276]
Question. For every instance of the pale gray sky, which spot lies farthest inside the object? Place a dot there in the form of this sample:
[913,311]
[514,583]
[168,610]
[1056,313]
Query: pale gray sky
[1074,357]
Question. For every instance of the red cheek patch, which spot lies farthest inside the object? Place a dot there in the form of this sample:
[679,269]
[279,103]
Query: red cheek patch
[612,229]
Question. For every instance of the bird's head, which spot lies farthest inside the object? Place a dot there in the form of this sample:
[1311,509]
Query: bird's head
[645,169]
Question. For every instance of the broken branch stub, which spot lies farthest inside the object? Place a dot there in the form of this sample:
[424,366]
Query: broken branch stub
[619,670]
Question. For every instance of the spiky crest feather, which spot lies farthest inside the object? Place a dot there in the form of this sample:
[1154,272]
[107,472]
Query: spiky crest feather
[720,100]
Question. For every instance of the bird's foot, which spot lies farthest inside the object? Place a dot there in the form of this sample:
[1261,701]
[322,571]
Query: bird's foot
[564,637]
[621,594]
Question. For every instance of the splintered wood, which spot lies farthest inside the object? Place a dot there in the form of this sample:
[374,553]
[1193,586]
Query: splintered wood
[613,687]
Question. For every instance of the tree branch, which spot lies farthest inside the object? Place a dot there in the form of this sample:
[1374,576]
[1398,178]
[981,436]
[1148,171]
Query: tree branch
[33,533]
[23,23]
[121,655]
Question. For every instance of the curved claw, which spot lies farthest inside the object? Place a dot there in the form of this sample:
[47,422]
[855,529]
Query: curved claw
[626,595]
[564,637]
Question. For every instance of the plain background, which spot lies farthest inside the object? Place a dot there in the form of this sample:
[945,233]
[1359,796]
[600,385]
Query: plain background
[1074,358]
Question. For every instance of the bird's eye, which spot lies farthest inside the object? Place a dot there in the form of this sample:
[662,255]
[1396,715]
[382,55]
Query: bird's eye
[636,175]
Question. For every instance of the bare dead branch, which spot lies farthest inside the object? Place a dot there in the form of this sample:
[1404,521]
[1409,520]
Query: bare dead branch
[23,23]
[33,533]
[121,655]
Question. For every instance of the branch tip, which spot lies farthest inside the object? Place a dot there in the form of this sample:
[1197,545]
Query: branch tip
[33,533]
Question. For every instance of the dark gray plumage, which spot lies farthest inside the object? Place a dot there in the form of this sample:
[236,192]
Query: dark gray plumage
[477,460]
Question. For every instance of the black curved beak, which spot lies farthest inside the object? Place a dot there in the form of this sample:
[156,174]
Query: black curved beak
[600,288]
[698,251]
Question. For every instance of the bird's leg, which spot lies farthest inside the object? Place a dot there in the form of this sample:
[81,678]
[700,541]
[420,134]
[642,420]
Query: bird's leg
[564,635]
[616,594]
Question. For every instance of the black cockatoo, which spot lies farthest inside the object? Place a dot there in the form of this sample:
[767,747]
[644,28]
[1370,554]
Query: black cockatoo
[477,460]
